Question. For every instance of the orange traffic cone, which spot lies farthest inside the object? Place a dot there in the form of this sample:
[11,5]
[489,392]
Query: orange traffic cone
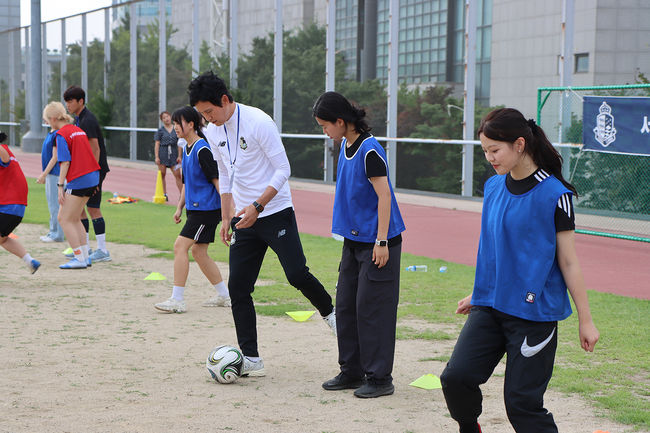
[159,196]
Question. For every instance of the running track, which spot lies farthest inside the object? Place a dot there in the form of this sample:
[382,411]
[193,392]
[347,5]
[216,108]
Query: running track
[609,265]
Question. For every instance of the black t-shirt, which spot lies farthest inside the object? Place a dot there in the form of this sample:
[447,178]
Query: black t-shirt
[88,122]
[564,215]
[206,161]
[375,167]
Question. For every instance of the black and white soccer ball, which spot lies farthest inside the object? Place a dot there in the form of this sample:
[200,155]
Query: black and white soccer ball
[225,364]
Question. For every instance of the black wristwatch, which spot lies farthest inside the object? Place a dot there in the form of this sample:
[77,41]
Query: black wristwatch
[258,207]
[381,243]
[60,185]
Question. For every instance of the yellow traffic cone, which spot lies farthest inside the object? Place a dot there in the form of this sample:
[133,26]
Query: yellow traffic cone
[159,196]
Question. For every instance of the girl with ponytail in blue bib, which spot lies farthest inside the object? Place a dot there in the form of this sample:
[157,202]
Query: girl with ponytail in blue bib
[525,264]
[366,215]
[200,198]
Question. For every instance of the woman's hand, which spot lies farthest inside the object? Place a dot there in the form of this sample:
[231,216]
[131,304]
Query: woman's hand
[589,335]
[464,305]
[380,256]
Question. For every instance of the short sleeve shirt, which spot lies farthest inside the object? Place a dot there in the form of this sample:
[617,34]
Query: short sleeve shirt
[88,122]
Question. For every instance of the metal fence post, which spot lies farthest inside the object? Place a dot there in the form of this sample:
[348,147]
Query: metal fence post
[330,69]
[277,65]
[470,90]
[133,79]
[393,66]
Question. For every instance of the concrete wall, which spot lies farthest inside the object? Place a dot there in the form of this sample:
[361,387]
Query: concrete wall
[622,41]
[527,40]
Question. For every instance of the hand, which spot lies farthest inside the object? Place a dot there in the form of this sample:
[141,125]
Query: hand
[248,217]
[61,195]
[41,178]
[380,256]
[589,335]
[225,233]
[177,215]
[157,161]
[464,305]
[179,159]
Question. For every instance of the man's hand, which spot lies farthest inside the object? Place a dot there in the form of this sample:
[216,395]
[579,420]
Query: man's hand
[248,217]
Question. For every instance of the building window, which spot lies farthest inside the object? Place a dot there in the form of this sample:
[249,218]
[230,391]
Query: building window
[581,63]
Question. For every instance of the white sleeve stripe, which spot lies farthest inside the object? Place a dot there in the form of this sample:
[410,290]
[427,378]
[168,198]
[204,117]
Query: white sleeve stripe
[564,203]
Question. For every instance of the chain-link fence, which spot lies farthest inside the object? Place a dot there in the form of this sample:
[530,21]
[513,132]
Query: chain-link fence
[614,189]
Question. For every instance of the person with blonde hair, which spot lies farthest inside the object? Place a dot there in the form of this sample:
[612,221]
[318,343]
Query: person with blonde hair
[80,169]
[75,102]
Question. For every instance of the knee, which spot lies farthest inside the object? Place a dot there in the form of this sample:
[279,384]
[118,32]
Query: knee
[199,251]
[449,377]
[180,247]
[300,278]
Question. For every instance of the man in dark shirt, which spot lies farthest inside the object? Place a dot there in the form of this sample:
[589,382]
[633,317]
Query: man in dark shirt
[75,101]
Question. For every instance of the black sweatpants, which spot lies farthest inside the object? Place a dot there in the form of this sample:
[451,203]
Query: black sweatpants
[366,314]
[530,348]
[278,231]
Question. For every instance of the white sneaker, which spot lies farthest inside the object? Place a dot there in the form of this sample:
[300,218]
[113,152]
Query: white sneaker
[171,305]
[218,301]
[253,368]
[46,239]
[330,319]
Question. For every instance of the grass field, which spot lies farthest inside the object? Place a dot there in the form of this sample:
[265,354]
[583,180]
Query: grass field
[616,377]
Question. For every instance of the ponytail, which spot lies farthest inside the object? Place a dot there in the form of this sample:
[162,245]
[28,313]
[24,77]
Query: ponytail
[189,114]
[508,124]
[331,106]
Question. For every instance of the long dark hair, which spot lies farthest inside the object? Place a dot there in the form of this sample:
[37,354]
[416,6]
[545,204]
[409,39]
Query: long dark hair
[189,114]
[332,105]
[508,124]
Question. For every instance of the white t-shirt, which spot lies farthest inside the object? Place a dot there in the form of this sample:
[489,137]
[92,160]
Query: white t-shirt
[251,162]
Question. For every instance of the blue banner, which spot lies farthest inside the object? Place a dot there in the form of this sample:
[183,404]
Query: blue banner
[616,124]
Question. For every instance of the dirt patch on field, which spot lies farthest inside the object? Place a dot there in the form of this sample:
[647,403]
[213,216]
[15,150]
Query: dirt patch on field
[86,351]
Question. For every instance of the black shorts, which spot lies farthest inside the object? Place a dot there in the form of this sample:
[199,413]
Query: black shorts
[201,225]
[96,198]
[8,223]
[83,192]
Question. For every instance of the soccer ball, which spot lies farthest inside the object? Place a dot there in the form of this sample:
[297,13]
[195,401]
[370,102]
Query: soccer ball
[225,364]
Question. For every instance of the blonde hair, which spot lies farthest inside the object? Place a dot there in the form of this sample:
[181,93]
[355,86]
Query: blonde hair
[56,110]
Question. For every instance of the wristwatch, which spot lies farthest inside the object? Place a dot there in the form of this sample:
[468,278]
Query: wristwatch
[258,207]
[381,243]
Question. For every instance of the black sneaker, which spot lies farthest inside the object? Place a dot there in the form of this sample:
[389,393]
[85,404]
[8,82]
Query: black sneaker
[341,381]
[371,390]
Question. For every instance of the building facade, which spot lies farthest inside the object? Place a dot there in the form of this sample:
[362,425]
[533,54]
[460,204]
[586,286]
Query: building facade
[611,45]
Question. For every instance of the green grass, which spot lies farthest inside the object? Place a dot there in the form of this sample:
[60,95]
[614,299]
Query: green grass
[616,377]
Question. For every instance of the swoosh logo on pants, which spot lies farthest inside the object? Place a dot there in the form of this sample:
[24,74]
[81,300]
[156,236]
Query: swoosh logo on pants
[529,351]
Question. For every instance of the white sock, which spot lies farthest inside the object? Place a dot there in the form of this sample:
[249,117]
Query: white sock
[253,358]
[222,290]
[78,254]
[177,293]
[101,242]
[27,258]
[87,238]
[85,251]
